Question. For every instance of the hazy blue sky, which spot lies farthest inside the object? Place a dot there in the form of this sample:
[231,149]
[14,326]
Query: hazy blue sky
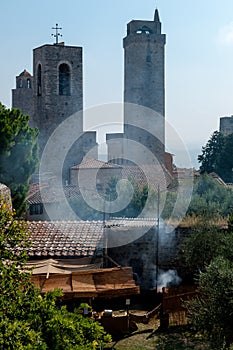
[199,52]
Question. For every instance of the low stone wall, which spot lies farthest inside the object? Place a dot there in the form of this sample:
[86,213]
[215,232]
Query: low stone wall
[5,195]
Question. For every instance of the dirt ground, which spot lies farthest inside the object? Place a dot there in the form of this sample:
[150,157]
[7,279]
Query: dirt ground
[149,337]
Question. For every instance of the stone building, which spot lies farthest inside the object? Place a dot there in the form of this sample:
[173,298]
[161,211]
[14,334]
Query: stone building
[226,125]
[22,96]
[144,94]
[54,93]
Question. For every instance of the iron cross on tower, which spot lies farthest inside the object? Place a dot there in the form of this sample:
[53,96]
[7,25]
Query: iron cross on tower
[57,34]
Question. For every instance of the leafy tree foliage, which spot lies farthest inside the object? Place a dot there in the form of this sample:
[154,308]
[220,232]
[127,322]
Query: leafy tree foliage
[217,156]
[18,154]
[208,253]
[210,198]
[28,319]
[211,152]
[201,246]
[212,312]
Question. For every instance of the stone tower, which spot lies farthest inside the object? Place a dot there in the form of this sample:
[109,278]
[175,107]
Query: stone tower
[22,96]
[58,87]
[144,64]
[52,94]
[144,86]
[226,125]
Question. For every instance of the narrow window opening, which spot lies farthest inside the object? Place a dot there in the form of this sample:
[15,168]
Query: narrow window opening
[64,79]
[39,80]
[29,84]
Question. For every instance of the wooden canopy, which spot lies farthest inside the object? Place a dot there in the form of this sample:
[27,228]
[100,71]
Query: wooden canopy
[105,283]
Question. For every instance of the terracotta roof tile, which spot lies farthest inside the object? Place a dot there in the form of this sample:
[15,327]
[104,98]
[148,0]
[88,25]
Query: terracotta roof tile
[153,175]
[70,238]
[25,73]
[50,195]
[95,164]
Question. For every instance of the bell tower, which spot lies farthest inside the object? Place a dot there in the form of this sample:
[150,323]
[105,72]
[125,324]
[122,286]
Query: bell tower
[58,87]
[22,95]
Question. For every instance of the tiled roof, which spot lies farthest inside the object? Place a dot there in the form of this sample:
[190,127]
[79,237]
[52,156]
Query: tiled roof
[131,222]
[96,164]
[74,239]
[153,175]
[65,238]
[25,73]
[50,195]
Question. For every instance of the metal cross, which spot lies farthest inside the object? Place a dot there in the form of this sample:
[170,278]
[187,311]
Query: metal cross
[57,33]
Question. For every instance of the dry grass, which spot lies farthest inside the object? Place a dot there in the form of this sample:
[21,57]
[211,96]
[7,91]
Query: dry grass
[139,340]
[192,221]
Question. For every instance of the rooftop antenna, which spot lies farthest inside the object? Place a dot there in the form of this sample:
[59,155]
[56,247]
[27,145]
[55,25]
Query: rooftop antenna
[57,34]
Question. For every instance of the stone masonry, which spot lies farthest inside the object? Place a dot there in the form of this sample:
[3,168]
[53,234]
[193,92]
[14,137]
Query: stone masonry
[144,87]
[52,94]
[226,125]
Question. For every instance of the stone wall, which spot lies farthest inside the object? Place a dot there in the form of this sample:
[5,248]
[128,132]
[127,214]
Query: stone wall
[50,107]
[144,94]
[5,195]
[141,253]
[226,125]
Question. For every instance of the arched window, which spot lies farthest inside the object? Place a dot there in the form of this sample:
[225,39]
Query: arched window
[29,84]
[64,79]
[39,80]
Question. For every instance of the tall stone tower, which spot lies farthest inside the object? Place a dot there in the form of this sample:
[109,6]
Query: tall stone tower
[52,94]
[58,87]
[144,64]
[144,91]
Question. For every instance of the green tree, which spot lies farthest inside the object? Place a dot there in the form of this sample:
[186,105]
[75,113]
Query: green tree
[217,156]
[211,153]
[210,198]
[201,246]
[211,313]
[29,319]
[18,154]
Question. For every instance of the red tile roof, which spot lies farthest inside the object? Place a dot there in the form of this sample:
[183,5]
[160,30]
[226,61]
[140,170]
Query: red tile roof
[74,239]
[65,239]
[153,175]
[95,164]
[50,195]
[25,73]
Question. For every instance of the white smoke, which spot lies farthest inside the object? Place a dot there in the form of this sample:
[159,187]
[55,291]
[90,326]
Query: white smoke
[168,278]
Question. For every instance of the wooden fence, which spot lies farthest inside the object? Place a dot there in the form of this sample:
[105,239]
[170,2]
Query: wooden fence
[173,311]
